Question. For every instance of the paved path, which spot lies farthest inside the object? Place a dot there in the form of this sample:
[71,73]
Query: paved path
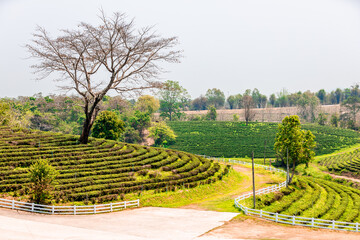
[134,224]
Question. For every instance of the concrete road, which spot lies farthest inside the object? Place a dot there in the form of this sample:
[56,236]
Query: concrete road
[132,224]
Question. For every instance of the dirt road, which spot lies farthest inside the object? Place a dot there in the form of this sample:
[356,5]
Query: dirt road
[253,228]
[134,224]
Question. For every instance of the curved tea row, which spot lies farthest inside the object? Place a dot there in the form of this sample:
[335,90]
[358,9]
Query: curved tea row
[343,162]
[101,170]
[309,202]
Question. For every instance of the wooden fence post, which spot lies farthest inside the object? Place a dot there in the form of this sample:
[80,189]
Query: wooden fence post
[125,204]
[293,220]
[74,209]
[94,208]
[111,207]
[276,217]
[13,204]
[32,207]
[333,224]
[357,226]
[52,209]
[312,221]
[253,179]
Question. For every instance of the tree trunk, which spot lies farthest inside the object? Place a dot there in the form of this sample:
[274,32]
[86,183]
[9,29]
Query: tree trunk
[84,138]
[292,172]
[89,120]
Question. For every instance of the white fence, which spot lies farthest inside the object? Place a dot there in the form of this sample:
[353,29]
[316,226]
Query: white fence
[281,218]
[67,210]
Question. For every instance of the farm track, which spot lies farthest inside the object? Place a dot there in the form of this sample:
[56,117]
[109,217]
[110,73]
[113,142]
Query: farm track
[256,228]
[216,202]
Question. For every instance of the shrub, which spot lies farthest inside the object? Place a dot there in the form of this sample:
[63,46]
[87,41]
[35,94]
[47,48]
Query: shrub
[161,133]
[42,176]
[108,126]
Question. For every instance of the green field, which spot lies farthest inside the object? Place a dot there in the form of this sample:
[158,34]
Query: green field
[235,139]
[100,171]
[309,197]
[345,162]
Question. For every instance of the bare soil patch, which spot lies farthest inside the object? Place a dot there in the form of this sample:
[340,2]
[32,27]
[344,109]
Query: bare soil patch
[345,176]
[254,228]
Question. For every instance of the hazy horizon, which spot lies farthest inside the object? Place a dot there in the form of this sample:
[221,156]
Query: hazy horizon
[230,45]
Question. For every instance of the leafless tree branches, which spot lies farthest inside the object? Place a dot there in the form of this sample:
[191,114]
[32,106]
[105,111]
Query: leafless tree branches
[129,56]
[249,111]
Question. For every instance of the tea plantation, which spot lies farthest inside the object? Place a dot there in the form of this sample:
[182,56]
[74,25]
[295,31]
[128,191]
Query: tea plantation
[101,170]
[308,198]
[343,162]
[235,139]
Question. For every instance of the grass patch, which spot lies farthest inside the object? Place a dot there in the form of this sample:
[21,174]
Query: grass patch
[218,196]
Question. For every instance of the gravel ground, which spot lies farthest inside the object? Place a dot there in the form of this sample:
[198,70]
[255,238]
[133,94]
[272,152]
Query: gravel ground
[134,224]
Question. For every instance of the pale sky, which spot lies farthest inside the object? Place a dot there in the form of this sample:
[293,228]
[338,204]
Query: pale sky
[232,45]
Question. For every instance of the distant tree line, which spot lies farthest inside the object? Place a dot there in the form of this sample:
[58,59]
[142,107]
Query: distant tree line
[281,99]
[62,113]
[174,99]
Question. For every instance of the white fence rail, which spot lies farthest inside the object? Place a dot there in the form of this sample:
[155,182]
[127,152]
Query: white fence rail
[68,210]
[281,218]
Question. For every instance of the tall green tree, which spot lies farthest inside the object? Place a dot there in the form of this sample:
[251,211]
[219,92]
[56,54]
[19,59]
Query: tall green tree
[282,98]
[140,121]
[272,99]
[42,178]
[352,106]
[321,94]
[148,104]
[171,97]
[108,125]
[231,101]
[200,103]
[215,97]
[338,95]
[308,105]
[211,114]
[259,99]
[297,143]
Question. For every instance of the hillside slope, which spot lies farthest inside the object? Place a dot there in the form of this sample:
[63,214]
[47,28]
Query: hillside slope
[235,139]
[99,171]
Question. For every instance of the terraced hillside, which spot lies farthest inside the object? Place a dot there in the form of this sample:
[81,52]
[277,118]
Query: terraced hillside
[317,198]
[101,170]
[343,162]
[235,139]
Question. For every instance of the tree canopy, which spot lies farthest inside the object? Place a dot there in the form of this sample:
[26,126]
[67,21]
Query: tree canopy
[171,99]
[215,97]
[108,125]
[148,104]
[352,106]
[293,142]
[127,56]
[162,133]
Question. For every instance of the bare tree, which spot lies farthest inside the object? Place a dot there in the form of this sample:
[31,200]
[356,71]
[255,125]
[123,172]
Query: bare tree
[96,59]
[249,111]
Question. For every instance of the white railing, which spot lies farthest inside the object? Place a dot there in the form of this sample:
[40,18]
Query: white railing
[281,218]
[68,210]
